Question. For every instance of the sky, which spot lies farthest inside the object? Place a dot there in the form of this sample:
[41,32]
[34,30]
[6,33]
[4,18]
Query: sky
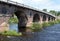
[42,4]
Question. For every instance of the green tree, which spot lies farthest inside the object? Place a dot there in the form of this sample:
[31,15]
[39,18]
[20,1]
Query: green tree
[58,13]
[53,12]
[45,10]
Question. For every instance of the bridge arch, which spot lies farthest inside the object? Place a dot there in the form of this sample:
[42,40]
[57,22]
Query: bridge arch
[22,20]
[44,17]
[49,18]
[36,18]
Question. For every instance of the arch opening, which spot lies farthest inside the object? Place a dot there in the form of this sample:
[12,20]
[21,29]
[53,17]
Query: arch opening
[22,21]
[36,18]
[44,17]
[48,18]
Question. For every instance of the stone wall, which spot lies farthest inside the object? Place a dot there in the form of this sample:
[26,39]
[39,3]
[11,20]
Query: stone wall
[4,23]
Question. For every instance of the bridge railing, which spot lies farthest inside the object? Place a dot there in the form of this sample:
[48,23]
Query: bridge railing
[16,3]
[9,1]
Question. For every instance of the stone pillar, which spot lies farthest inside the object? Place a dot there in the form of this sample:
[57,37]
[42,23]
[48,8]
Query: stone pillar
[4,26]
[22,22]
[50,18]
[53,19]
[30,20]
[41,18]
[47,18]
[29,24]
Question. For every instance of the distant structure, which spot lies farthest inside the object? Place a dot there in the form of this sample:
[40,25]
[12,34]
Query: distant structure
[26,15]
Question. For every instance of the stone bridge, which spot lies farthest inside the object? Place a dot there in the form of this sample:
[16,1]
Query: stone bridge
[26,15]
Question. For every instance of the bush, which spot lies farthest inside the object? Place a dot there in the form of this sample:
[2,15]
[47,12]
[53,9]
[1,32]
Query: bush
[36,27]
[13,20]
[45,24]
[51,23]
[57,21]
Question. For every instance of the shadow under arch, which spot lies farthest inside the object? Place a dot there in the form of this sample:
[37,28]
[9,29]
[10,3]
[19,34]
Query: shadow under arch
[49,18]
[36,18]
[44,17]
[22,20]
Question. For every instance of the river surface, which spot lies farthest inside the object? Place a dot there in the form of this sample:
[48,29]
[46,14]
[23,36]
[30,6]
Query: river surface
[13,27]
[51,33]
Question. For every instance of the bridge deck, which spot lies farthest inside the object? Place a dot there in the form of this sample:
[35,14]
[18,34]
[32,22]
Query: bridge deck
[25,6]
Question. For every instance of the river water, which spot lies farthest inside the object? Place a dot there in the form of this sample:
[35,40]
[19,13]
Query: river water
[13,27]
[51,33]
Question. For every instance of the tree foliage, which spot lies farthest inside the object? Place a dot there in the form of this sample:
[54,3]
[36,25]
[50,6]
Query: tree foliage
[53,12]
[58,14]
[45,10]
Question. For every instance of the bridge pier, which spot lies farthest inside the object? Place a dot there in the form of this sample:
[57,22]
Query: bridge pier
[22,20]
[41,18]
[53,19]
[50,18]
[4,25]
[47,18]
[30,21]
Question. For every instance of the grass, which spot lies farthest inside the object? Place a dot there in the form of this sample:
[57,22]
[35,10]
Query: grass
[45,24]
[10,33]
[57,21]
[38,27]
